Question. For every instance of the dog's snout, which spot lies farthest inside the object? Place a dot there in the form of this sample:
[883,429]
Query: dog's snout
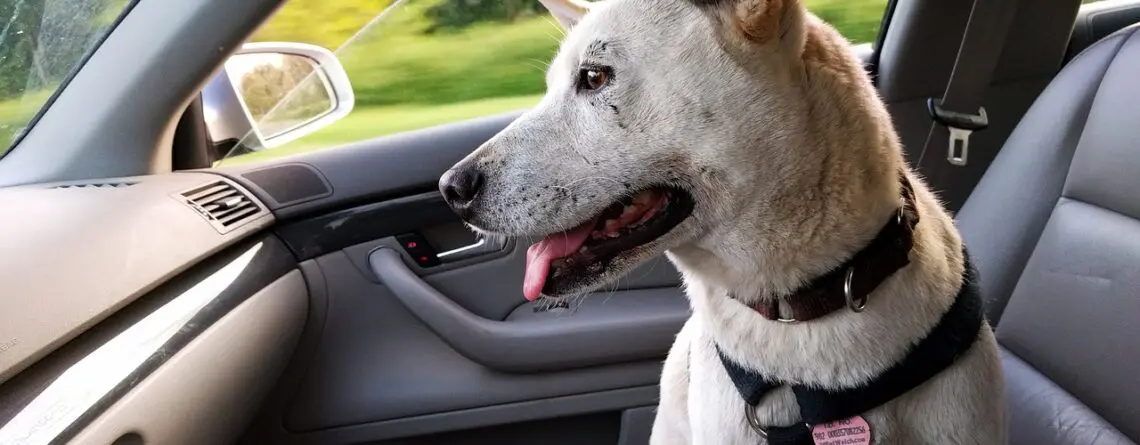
[460,187]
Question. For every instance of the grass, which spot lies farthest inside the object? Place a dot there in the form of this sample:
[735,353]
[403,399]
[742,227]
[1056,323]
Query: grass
[16,113]
[397,64]
[373,122]
[406,80]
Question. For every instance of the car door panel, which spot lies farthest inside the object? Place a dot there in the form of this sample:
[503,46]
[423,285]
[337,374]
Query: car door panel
[402,349]
[370,171]
[376,362]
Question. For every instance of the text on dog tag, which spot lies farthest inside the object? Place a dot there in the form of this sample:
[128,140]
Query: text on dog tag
[850,431]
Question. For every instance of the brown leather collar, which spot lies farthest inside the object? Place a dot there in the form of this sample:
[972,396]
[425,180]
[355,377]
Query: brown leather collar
[849,284]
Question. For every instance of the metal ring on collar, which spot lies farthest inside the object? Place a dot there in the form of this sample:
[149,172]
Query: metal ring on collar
[852,303]
[753,421]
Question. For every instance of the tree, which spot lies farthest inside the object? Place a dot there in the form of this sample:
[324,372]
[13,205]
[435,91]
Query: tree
[41,41]
[328,23]
[456,14]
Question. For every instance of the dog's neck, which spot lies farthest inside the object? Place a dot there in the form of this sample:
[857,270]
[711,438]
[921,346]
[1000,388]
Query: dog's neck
[844,187]
[849,285]
[779,243]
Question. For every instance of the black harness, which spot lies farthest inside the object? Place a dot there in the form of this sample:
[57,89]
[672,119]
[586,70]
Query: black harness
[952,337]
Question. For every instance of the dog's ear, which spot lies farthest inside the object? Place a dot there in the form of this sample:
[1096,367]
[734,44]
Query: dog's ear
[764,21]
[567,12]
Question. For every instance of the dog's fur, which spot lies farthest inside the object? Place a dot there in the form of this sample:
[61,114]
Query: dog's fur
[760,111]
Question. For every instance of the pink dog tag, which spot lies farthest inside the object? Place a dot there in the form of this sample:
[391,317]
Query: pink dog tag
[852,431]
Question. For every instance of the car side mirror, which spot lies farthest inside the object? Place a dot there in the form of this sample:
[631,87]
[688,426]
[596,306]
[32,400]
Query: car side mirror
[271,93]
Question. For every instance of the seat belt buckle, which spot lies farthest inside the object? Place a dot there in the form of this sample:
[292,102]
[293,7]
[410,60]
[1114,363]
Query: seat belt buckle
[959,146]
[960,126]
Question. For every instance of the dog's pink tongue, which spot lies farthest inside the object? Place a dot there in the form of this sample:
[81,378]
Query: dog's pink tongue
[541,254]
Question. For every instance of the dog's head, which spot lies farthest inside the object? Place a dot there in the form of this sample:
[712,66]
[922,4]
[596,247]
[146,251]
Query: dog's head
[662,118]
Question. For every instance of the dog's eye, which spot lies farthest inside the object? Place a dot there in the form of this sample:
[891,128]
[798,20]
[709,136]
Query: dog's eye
[592,78]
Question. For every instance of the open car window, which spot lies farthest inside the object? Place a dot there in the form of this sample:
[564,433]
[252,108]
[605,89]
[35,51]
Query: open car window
[416,64]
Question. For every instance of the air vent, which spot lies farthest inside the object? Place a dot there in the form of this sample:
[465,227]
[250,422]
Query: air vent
[222,204]
[96,185]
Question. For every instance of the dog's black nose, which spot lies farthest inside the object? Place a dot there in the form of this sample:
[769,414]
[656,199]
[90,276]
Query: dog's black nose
[460,187]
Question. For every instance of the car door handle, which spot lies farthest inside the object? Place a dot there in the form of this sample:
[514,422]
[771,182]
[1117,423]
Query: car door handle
[646,323]
[481,247]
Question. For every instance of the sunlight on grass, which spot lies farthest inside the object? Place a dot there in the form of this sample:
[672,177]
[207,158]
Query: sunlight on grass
[15,114]
[374,122]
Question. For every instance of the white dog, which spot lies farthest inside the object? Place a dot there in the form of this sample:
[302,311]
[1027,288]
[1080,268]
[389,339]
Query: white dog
[744,140]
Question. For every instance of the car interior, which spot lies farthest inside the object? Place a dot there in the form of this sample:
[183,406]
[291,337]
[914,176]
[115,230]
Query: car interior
[152,296]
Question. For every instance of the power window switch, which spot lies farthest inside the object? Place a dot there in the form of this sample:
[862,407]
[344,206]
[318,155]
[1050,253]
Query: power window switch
[419,249]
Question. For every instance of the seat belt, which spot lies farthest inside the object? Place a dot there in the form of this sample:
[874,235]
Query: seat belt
[959,112]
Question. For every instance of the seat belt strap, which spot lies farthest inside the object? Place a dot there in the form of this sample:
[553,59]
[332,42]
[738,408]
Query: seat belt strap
[959,112]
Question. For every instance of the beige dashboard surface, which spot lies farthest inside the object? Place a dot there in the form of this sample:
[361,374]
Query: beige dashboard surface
[209,391]
[72,255]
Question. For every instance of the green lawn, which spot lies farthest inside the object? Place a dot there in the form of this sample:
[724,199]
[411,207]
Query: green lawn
[15,114]
[372,122]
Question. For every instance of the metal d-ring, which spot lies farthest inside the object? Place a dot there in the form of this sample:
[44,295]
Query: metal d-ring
[753,421]
[786,320]
[854,305]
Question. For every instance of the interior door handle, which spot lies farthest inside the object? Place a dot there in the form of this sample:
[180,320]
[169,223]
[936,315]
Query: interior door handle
[481,247]
[646,324]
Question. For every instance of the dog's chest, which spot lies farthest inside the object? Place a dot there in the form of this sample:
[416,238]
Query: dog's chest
[716,408]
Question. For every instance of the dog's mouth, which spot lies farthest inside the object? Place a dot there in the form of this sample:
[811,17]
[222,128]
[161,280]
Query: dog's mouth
[566,260]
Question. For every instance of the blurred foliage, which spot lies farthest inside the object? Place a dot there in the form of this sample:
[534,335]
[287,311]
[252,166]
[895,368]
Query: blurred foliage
[491,48]
[328,23]
[457,14]
[281,92]
[41,42]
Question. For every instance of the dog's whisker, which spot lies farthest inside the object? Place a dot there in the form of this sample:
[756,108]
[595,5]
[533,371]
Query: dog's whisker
[590,178]
[557,27]
[539,68]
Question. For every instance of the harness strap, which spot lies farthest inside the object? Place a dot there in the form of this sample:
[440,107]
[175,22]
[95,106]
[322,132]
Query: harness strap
[952,337]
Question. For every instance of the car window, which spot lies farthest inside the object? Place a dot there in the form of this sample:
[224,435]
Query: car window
[42,42]
[415,64]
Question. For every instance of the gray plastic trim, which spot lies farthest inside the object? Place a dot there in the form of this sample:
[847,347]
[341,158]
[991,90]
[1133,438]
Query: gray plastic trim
[637,425]
[396,166]
[645,320]
[472,418]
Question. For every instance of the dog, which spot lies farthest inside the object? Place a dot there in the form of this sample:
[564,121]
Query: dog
[744,140]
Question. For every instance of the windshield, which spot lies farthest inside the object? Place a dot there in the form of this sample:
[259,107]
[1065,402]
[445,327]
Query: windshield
[42,42]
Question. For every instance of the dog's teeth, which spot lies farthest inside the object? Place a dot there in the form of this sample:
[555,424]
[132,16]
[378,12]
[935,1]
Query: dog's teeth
[582,249]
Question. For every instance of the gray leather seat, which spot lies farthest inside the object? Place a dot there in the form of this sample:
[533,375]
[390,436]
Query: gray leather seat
[1054,227]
